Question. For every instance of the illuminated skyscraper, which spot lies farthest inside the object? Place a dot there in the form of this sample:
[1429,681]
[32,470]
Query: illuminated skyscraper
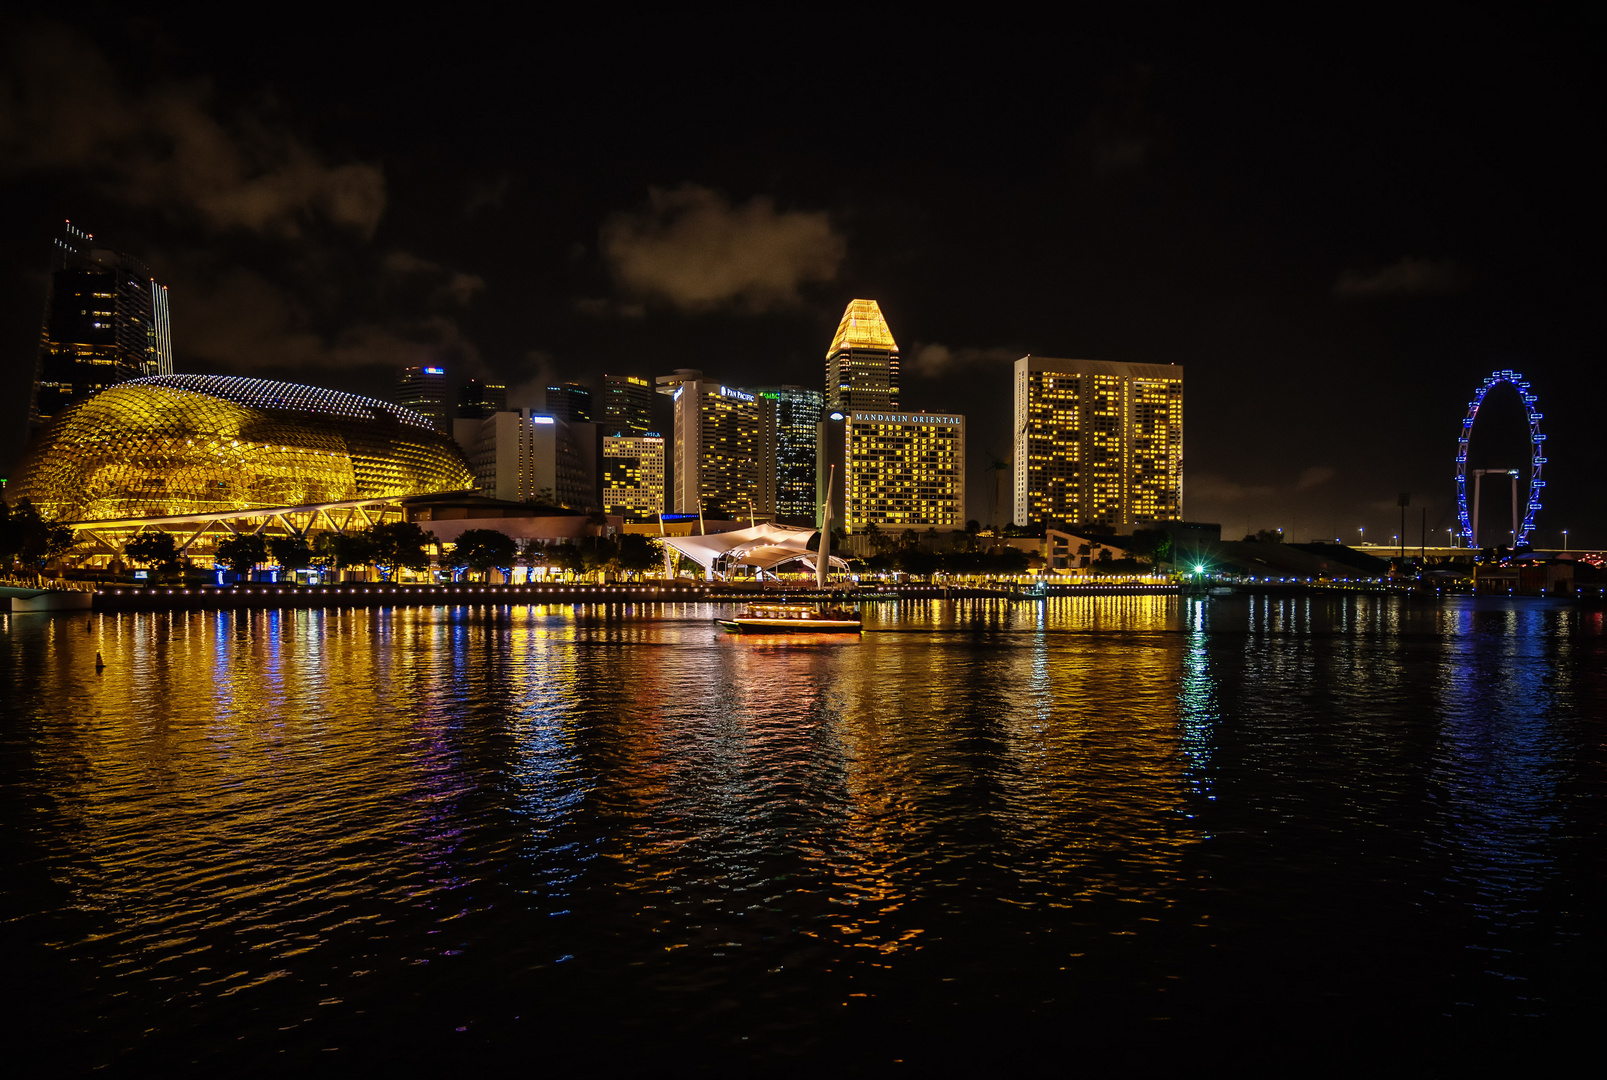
[423,389]
[894,470]
[862,363]
[796,450]
[106,321]
[723,461]
[627,405]
[569,402]
[1098,443]
[633,475]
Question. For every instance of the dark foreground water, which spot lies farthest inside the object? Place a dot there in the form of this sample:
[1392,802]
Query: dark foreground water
[1129,832]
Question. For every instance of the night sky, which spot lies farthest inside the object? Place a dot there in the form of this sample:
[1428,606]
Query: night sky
[1339,229]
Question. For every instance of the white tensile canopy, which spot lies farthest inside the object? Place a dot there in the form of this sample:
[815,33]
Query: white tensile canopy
[763,546]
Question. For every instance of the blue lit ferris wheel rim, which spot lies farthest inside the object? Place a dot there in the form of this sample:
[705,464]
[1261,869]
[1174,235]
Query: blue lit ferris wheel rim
[1536,456]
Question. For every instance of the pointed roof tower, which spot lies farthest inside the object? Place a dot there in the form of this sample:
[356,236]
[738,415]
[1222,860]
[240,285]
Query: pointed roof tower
[862,363]
[863,327]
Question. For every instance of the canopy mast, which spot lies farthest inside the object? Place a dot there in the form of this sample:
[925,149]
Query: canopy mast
[823,556]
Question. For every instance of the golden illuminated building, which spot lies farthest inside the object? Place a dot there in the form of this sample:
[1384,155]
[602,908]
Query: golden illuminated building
[1097,442]
[862,363]
[894,470]
[724,460]
[633,475]
[194,444]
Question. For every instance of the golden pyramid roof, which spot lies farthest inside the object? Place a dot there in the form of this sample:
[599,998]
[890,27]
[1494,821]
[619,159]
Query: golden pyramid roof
[863,328]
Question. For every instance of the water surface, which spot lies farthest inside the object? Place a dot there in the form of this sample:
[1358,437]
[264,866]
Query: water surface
[1129,830]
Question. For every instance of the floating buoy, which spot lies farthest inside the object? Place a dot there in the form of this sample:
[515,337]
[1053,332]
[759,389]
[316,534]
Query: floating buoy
[89,626]
[99,663]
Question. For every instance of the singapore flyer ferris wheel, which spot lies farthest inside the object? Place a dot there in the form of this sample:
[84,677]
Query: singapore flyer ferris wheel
[1519,534]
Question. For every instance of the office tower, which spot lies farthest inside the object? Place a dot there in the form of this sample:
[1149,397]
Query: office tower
[520,456]
[569,402]
[723,463]
[627,405]
[1098,443]
[896,470]
[796,450]
[423,389]
[477,400]
[862,363]
[633,475]
[106,321]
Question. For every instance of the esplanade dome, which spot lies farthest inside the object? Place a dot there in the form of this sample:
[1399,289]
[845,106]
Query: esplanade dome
[193,444]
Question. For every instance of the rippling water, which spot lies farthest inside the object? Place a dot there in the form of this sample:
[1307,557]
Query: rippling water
[1127,830]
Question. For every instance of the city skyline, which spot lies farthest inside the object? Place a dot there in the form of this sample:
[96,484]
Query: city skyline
[1339,244]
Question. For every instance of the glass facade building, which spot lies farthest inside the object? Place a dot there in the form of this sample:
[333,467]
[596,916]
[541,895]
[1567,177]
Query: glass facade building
[627,405]
[569,402]
[191,444]
[478,400]
[798,413]
[422,390]
[1097,443]
[106,321]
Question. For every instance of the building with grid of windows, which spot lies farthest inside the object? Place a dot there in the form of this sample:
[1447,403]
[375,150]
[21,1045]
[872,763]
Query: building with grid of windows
[862,362]
[633,475]
[723,462]
[1097,443]
[796,450]
[896,470]
[106,321]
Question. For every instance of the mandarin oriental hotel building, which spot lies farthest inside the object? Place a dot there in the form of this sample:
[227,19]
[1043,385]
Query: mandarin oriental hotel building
[896,470]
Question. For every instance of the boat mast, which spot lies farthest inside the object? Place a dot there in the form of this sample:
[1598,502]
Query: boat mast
[823,556]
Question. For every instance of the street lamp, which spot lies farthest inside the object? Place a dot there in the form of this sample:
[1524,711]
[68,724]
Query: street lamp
[1565,539]
[1361,532]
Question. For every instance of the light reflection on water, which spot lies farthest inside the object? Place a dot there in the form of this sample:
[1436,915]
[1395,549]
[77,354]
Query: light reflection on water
[473,830]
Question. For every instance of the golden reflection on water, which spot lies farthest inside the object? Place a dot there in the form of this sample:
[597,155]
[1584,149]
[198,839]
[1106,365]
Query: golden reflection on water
[302,807]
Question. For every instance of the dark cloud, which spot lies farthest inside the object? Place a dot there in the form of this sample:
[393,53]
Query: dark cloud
[1123,135]
[242,320]
[63,110]
[449,288]
[932,360]
[1406,277]
[692,249]
[487,194]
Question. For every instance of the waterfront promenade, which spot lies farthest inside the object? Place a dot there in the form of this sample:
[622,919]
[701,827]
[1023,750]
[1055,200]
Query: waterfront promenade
[155,598]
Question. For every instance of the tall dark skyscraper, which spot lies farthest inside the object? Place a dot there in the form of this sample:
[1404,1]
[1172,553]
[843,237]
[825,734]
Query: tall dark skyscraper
[627,405]
[797,416]
[862,363]
[423,389]
[106,321]
[569,402]
[478,400]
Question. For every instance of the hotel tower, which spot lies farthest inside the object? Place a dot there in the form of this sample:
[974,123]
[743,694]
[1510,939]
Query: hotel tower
[1097,443]
[862,363]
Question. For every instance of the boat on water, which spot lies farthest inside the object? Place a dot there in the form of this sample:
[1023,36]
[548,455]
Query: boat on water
[793,619]
[823,618]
